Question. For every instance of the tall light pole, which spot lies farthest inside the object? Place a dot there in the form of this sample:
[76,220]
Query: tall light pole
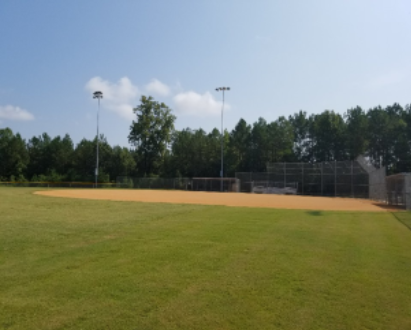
[223,89]
[97,95]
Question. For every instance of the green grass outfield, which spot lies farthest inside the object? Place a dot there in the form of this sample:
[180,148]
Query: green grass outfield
[82,264]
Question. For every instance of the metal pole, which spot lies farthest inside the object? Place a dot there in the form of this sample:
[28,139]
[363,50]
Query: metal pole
[322,174]
[98,112]
[352,180]
[222,145]
[223,89]
[302,183]
[335,178]
[97,95]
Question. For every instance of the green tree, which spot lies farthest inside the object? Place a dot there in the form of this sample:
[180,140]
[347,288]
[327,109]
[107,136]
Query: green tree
[84,160]
[280,140]
[182,151]
[40,160]
[151,134]
[329,136]
[259,146]
[13,155]
[121,163]
[239,148]
[356,137]
[301,124]
[380,149]
[388,137]
[50,157]
[61,152]
[213,154]
[188,152]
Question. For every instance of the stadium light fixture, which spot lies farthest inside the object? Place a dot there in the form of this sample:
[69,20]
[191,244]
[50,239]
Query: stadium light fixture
[97,95]
[222,89]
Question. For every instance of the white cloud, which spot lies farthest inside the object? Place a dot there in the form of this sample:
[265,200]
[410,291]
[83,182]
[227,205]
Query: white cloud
[158,88]
[192,103]
[118,97]
[122,97]
[10,112]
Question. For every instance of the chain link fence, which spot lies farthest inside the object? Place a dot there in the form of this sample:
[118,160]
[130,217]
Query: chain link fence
[193,184]
[376,180]
[265,183]
[399,190]
[56,184]
[357,179]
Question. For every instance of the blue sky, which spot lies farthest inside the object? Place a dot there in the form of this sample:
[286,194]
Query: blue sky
[278,57]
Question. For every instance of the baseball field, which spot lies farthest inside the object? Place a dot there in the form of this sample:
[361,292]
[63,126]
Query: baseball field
[130,259]
[227,199]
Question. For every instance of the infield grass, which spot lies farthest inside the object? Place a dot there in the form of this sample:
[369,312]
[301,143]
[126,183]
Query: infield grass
[83,264]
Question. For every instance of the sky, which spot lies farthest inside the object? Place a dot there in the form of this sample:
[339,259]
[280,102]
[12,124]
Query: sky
[277,57]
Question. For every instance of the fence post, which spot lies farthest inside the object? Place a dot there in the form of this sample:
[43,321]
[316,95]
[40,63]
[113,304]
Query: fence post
[251,183]
[352,180]
[335,178]
[302,183]
[322,165]
[285,175]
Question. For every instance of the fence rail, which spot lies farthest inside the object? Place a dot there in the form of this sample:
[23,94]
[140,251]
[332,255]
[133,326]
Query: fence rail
[194,184]
[56,184]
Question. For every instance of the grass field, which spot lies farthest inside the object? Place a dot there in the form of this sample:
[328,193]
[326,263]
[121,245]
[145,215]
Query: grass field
[83,264]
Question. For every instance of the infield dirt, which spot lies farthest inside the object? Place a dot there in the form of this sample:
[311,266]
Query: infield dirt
[227,199]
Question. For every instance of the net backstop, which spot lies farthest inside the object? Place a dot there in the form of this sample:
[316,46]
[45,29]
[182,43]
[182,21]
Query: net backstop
[357,179]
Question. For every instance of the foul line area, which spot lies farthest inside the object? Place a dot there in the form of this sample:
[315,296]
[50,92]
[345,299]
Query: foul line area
[226,199]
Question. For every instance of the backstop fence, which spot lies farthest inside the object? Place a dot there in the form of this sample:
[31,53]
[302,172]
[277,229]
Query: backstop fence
[357,179]
[399,190]
[193,184]
[377,184]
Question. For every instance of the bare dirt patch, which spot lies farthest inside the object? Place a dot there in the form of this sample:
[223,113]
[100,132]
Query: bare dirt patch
[227,199]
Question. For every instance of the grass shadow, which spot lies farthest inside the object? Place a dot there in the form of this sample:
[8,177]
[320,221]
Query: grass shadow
[315,213]
[389,207]
[403,217]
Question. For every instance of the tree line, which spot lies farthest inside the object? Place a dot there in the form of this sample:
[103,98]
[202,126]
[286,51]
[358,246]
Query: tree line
[157,149]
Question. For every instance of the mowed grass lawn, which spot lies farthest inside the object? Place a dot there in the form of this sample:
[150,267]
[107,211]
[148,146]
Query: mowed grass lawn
[82,264]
